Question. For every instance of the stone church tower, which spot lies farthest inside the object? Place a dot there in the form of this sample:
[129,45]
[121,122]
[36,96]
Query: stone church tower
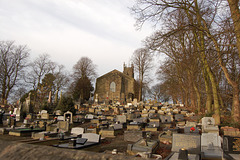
[116,86]
[128,70]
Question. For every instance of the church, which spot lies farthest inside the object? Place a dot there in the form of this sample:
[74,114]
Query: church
[116,86]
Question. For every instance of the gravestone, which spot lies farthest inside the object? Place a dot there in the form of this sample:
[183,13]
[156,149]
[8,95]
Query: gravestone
[130,116]
[91,110]
[145,111]
[77,131]
[154,115]
[208,125]
[208,121]
[152,111]
[179,117]
[213,138]
[154,124]
[58,112]
[176,111]
[68,116]
[17,113]
[43,111]
[89,116]
[117,126]
[121,118]
[60,118]
[184,112]
[190,124]
[99,113]
[144,115]
[107,132]
[144,146]
[63,125]
[190,142]
[161,112]
[230,131]
[231,144]
[134,126]
[140,120]
[165,118]
[211,146]
[92,137]
[134,102]
[44,116]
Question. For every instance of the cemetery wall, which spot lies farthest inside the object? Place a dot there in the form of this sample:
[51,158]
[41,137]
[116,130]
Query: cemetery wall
[21,151]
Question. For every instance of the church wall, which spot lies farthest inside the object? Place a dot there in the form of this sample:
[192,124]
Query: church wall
[103,87]
[124,85]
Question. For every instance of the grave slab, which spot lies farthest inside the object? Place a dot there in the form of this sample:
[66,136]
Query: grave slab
[191,142]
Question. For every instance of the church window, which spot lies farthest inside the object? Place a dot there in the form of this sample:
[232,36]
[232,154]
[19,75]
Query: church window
[113,87]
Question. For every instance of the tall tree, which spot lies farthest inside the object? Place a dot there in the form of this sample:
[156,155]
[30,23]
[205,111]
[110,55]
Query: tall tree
[84,72]
[203,20]
[83,89]
[13,60]
[142,60]
[234,6]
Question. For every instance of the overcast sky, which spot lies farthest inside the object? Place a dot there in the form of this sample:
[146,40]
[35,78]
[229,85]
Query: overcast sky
[67,30]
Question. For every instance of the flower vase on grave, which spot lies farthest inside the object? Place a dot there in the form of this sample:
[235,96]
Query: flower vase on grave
[61,135]
[183,154]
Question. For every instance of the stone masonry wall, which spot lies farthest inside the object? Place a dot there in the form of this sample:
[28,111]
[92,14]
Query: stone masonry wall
[21,151]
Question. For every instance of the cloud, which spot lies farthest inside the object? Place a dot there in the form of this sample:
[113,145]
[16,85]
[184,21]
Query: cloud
[70,29]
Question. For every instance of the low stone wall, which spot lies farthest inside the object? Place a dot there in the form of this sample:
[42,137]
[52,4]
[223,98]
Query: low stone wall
[20,151]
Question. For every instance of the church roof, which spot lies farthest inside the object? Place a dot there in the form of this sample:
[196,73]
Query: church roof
[115,71]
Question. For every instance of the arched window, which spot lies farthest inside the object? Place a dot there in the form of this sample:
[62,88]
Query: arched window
[113,87]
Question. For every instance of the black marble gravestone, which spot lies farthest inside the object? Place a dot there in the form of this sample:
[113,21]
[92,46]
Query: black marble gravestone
[231,144]
[179,117]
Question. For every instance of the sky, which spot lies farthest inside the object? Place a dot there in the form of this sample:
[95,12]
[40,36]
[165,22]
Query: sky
[67,30]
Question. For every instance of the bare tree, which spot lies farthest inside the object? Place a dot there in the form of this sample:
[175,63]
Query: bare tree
[142,61]
[61,80]
[38,68]
[84,67]
[156,92]
[203,19]
[12,61]
[235,15]
[61,77]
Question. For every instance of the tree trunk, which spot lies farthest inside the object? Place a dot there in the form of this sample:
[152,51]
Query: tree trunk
[198,98]
[208,92]
[140,91]
[206,66]
[235,15]
[191,90]
[235,104]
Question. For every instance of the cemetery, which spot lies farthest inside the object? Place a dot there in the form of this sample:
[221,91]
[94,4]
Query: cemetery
[135,129]
[176,98]
[162,131]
